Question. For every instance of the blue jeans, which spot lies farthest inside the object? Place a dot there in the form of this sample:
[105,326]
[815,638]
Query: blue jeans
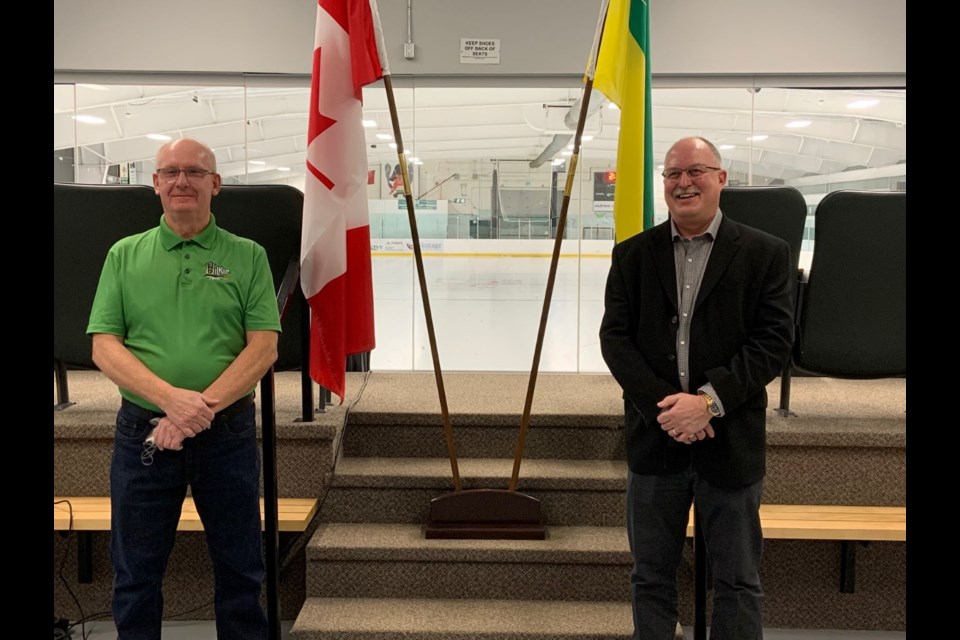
[658,508]
[222,467]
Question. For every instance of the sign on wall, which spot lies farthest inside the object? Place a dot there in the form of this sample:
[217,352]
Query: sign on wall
[479,51]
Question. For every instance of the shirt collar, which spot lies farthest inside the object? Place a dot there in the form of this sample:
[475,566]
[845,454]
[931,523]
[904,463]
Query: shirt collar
[169,238]
[710,232]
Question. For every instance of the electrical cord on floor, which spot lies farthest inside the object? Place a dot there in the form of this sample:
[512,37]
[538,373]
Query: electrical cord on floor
[100,615]
[59,632]
[290,551]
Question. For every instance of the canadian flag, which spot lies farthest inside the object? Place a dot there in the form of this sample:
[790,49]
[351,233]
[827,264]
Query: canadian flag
[335,247]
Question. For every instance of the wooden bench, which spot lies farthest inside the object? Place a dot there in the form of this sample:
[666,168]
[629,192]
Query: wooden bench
[820,522]
[848,524]
[87,514]
[93,514]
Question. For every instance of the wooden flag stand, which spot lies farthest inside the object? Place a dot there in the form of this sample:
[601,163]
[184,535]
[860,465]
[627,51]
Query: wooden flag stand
[498,513]
[475,513]
[486,514]
[489,513]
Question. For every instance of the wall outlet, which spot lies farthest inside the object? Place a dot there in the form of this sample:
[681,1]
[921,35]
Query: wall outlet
[408,50]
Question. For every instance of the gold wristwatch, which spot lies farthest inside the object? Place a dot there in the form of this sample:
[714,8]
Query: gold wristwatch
[711,404]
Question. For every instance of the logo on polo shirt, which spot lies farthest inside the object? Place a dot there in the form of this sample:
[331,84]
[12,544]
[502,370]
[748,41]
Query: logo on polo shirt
[216,272]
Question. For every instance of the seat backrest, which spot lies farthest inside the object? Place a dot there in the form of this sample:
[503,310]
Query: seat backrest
[87,221]
[270,215]
[853,321]
[780,211]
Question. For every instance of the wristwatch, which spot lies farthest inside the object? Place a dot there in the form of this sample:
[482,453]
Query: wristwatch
[711,404]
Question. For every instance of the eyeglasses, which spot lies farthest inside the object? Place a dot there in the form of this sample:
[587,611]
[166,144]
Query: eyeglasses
[696,171]
[171,174]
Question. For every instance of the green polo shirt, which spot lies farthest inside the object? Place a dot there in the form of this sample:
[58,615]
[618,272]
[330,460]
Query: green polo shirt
[183,307]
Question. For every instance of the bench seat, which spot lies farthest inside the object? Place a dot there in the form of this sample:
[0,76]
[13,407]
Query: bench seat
[92,513]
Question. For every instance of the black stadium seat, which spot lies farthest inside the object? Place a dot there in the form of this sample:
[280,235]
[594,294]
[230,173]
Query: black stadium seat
[853,312]
[87,220]
[780,211]
[270,215]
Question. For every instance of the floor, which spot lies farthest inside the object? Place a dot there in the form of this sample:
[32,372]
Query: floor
[204,630]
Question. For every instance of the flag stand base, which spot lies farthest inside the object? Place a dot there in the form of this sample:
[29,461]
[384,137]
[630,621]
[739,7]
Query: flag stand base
[491,514]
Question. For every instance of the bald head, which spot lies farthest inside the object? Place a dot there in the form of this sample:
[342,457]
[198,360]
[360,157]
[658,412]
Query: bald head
[698,141]
[202,151]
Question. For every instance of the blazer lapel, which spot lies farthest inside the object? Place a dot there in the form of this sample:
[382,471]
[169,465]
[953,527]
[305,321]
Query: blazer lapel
[725,246]
[663,259]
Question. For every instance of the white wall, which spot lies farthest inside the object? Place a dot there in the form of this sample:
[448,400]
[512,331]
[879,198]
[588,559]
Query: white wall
[538,37]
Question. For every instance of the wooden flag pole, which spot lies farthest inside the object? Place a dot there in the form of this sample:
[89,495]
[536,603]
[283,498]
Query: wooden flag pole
[555,259]
[418,257]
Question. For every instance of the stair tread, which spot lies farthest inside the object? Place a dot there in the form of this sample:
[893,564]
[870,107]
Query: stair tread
[480,472]
[465,618]
[406,542]
[491,399]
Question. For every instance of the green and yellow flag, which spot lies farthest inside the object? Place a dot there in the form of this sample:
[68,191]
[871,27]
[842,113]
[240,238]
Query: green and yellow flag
[623,75]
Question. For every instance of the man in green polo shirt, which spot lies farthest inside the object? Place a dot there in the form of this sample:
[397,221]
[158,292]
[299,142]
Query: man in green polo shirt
[185,322]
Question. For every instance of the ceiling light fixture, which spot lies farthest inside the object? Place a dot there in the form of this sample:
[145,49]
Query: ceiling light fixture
[863,104]
[758,137]
[158,136]
[798,124]
[369,124]
[384,136]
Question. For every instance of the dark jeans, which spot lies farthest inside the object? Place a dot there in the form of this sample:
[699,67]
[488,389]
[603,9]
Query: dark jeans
[222,467]
[657,512]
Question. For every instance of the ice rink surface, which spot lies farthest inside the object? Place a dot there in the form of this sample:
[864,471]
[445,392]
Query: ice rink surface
[486,298]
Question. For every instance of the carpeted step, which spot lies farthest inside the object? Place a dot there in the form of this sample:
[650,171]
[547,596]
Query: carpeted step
[572,417]
[421,619]
[399,490]
[598,440]
[396,560]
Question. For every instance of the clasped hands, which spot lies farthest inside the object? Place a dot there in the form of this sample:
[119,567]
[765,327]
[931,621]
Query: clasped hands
[188,413]
[685,418]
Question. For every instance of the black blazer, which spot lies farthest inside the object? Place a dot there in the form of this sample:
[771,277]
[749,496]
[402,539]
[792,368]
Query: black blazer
[740,337]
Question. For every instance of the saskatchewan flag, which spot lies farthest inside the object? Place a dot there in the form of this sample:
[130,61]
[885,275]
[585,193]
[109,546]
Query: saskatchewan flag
[623,75]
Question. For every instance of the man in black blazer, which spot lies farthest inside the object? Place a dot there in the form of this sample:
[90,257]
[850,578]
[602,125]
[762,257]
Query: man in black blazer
[698,320]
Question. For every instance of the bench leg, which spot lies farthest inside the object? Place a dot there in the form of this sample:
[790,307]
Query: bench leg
[848,566]
[84,557]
